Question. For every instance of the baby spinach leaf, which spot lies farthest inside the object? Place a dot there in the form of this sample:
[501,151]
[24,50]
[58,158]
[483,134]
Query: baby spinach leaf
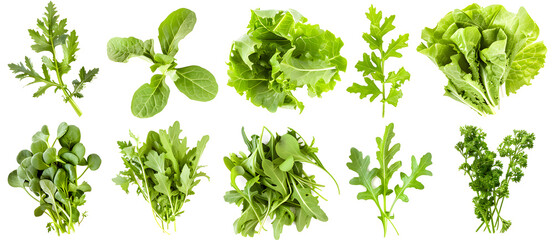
[195,82]
[150,99]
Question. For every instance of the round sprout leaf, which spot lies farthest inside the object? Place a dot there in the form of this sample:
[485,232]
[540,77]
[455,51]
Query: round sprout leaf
[62,151]
[94,162]
[79,150]
[26,162]
[49,156]
[34,185]
[14,180]
[60,180]
[22,174]
[62,129]
[71,170]
[38,146]
[23,154]
[70,158]
[287,164]
[49,173]
[31,172]
[71,137]
[38,163]
[41,209]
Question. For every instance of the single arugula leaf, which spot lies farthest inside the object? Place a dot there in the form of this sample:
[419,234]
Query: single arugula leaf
[373,66]
[195,82]
[150,99]
[151,167]
[280,53]
[52,33]
[366,177]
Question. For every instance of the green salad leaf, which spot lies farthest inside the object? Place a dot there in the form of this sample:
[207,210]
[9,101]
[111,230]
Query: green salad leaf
[277,187]
[53,34]
[195,82]
[366,177]
[280,53]
[485,172]
[164,169]
[49,176]
[484,53]
[373,66]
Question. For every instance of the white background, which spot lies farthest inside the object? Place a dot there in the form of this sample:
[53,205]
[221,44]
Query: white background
[425,121]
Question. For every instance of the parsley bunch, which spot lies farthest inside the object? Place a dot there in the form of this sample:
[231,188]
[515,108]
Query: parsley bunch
[486,171]
[54,34]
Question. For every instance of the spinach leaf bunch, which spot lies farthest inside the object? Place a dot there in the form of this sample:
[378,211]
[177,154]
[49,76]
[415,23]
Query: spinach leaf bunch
[373,66]
[53,33]
[195,82]
[485,171]
[281,52]
[484,53]
[277,187]
[164,170]
[50,176]
[384,173]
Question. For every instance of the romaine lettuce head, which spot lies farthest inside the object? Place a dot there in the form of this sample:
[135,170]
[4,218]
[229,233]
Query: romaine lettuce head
[484,52]
[280,53]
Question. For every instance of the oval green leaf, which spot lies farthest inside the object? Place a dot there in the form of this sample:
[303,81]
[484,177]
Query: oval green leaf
[14,180]
[150,99]
[38,163]
[71,137]
[49,156]
[94,162]
[23,154]
[196,82]
[70,158]
[287,164]
[174,28]
[122,49]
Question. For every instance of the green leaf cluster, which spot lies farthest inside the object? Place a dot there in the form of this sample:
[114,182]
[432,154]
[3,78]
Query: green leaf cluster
[485,171]
[281,52]
[373,66]
[484,52]
[51,35]
[195,82]
[50,177]
[383,174]
[164,170]
[277,187]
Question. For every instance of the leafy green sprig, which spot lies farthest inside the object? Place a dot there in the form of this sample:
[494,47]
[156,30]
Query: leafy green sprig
[373,67]
[485,172]
[164,170]
[49,176]
[53,33]
[277,187]
[195,82]
[378,194]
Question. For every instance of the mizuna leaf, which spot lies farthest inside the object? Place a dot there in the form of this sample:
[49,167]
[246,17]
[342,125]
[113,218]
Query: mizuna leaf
[418,169]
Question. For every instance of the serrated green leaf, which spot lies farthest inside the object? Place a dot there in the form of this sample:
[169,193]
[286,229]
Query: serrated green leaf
[418,169]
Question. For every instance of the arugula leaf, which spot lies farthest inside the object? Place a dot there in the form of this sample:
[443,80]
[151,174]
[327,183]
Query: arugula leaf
[195,82]
[164,170]
[484,52]
[48,174]
[378,194]
[373,66]
[285,194]
[53,33]
[281,53]
[485,172]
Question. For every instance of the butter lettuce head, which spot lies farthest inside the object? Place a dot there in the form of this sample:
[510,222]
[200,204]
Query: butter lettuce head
[281,52]
[484,53]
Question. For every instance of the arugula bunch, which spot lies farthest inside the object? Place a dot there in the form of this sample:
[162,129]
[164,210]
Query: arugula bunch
[49,176]
[195,82]
[164,170]
[277,187]
[280,53]
[53,33]
[484,52]
[485,172]
[366,177]
[373,67]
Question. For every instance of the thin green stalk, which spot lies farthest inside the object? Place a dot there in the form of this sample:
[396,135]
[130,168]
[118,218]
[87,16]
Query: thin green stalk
[68,98]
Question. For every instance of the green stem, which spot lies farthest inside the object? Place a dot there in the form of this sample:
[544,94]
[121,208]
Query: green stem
[68,97]
[82,174]
[383,81]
